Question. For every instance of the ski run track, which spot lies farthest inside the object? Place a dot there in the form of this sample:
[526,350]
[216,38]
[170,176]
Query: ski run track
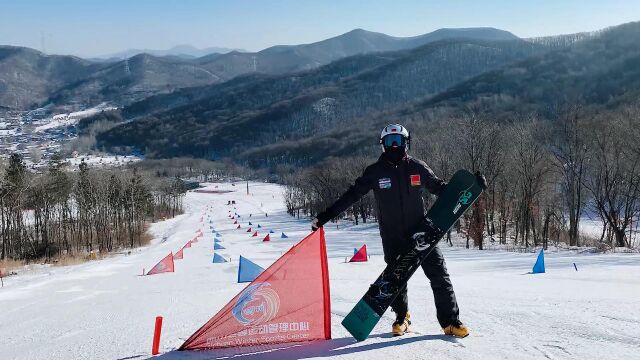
[104,310]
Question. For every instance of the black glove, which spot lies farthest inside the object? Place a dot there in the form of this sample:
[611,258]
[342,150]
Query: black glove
[482,181]
[314,224]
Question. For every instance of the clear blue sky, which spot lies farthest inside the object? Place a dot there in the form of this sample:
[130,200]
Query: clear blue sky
[97,27]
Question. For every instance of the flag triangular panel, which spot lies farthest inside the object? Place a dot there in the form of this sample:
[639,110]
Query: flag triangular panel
[178,255]
[538,268]
[361,255]
[217,258]
[284,236]
[217,246]
[248,270]
[165,265]
[288,302]
[267,238]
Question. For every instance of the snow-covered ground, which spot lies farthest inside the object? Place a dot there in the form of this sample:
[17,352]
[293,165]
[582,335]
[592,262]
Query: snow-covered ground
[71,118]
[102,160]
[104,310]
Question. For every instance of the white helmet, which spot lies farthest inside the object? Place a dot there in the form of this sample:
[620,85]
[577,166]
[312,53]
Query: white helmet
[391,133]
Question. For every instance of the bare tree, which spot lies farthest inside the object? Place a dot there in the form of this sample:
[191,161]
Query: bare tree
[569,149]
[614,179]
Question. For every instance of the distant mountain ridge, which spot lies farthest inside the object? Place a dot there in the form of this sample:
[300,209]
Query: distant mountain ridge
[289,58]
[27,81]
[185,51]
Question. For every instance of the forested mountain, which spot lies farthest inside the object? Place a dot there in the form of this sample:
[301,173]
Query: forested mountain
[602,71]
[134,79]
[28,77]
[253,112]
[301,118]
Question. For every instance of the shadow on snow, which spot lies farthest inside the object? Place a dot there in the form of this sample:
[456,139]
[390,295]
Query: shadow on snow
[295,351]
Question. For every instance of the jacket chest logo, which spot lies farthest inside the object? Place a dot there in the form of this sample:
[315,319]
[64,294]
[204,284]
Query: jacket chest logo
[384,183]
[415,180]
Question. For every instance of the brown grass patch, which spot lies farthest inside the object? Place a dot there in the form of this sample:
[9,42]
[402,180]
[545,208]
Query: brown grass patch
[67,260]
[8,266]
[146,237]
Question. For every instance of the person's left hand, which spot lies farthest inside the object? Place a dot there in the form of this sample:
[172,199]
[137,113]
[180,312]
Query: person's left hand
[314,224]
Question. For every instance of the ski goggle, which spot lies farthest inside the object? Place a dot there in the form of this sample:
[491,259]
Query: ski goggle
[394,140]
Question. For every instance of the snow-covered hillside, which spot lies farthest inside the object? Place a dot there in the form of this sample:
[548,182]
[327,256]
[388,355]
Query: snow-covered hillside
[105,310]
[71,118]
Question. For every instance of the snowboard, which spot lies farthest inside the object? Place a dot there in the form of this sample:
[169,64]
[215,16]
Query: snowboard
[459,194]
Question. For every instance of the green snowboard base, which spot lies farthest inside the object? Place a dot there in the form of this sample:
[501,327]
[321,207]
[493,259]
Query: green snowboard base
[361,320]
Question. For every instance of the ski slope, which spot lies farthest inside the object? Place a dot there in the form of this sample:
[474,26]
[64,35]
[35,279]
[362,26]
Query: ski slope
[105,310]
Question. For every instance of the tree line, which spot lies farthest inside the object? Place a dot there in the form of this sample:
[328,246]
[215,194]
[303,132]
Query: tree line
[544,174]
[58,212]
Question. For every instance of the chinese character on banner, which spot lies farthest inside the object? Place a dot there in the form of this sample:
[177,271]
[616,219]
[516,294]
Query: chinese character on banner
[284,327]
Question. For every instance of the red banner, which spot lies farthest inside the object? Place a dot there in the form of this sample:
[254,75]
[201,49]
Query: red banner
[361,255]
[165,265]
[288,302]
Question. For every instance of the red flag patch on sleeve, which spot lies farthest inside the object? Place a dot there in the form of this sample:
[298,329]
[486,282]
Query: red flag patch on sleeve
[415,180]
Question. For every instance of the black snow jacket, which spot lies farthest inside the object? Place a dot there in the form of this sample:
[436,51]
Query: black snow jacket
[398,190]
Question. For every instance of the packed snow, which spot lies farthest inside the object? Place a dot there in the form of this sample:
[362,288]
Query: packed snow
[104,310]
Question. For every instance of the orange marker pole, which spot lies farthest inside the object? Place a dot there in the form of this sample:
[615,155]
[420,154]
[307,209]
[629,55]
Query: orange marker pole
[156,336]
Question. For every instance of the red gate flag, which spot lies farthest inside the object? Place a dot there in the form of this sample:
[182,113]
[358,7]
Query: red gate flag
[187,245]
[361,255]
[288,302]
[267,238]
[179,255]
[254,234]
[249,230]
[238,226]
[165,265]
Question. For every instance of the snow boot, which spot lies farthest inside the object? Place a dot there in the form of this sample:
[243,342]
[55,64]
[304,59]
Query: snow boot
[401,325]
[456,329]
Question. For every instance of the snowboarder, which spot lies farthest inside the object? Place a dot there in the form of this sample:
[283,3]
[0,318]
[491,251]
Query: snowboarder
[398,182]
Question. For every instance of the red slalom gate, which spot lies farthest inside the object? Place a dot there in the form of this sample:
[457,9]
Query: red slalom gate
[287,302]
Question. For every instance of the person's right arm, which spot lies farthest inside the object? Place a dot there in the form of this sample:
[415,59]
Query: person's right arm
[361,187]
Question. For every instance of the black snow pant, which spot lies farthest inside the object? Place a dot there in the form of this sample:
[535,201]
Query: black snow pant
[446,305]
